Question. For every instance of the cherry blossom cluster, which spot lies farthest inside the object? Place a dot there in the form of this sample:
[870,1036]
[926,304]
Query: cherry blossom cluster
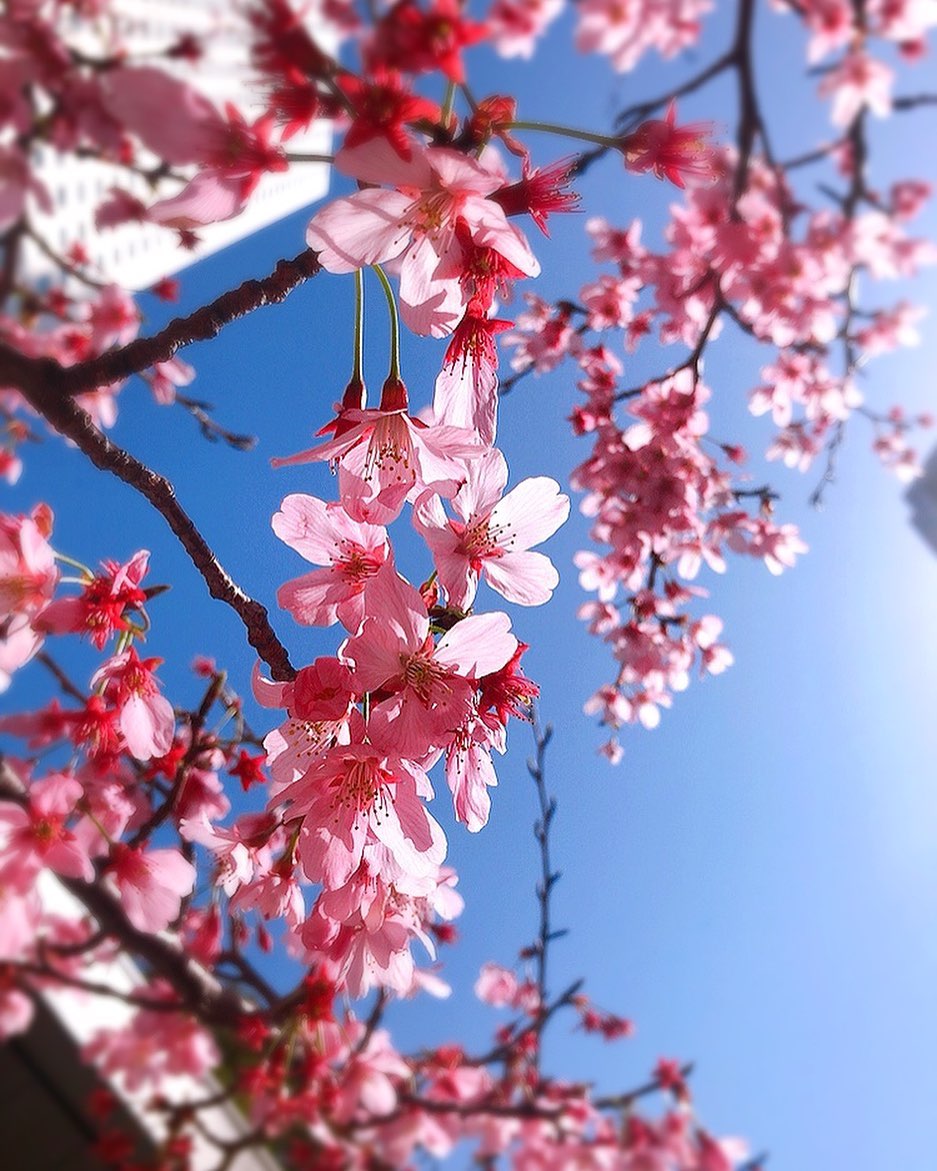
[747,249]
[140,783]
[193,845]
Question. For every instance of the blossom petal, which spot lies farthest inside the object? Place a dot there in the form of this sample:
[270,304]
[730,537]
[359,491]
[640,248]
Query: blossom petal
[361,229]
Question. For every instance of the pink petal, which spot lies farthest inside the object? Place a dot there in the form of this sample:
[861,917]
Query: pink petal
[430,303]
[488,477]
[316,530]
[460,174]
[376,653]
[466,395]
[209,198]
[361,229]
[314,598]
[490,229]
[533,511]
[478,646]
[376,161]
[147,723]
[173,120]
[528,579]
[469,773]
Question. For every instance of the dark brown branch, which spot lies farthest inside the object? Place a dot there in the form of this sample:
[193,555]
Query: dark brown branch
[913,101]
[640,110]
[68,686]
[74,423]
[203,324]
[27,373]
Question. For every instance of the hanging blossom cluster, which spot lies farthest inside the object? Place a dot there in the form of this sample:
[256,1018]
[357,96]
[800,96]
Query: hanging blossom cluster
[744,249]
[123,800]
[141,782]
[418,678]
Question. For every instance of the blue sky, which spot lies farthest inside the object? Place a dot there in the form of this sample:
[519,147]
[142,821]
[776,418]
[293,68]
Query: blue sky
[755,885]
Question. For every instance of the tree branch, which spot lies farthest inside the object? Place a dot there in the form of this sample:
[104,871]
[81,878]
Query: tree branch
[25,373]
[197,989]
[74,423]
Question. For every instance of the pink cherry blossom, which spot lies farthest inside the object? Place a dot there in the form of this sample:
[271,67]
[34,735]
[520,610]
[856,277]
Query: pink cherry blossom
[357,794]
[384,455]
[351,551]
[431,685]
[493,535]
[145,717]
[677,153]
[299,741]
[495,985]
[151,884]
[515,25]
[625,32]
[414,225]
[28,574]
[857,83]
[36,835]
[128,1054]
[470,772]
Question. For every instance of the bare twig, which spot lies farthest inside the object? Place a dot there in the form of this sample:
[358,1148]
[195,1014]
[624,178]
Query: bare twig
[211,428]
[548,876]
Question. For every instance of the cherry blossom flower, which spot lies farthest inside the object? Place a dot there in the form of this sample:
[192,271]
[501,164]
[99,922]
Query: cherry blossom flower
[515,25]
[431,685]
[36,835]
[858,82]
[414,225]
[352,553]
[678,153]
[493,535]
[104,605]
[383,455]
[625,32]
[151,884]
[28,575]
[356,794]
[496,986]
[145,717]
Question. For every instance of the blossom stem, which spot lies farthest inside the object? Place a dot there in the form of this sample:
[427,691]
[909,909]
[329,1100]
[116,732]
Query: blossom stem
[310,158]
[357,373]
[447,103]
[124,640]
[394,323]
[79,565]
[567,132]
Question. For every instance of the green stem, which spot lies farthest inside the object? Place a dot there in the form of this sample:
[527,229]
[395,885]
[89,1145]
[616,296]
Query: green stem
[567,132]
[309,158]
[394,323]
[447,103]
[74,564]
[357,374]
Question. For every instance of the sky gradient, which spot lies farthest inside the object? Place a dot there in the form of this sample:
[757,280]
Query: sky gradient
[756,884]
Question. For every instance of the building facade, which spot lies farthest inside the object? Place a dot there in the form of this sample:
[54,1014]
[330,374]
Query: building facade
[136,255]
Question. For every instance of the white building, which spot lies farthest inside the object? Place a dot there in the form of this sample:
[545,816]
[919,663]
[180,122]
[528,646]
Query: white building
[45,1085]
[137,255]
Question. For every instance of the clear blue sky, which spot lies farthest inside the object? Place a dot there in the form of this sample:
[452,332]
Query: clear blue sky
[756,884]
